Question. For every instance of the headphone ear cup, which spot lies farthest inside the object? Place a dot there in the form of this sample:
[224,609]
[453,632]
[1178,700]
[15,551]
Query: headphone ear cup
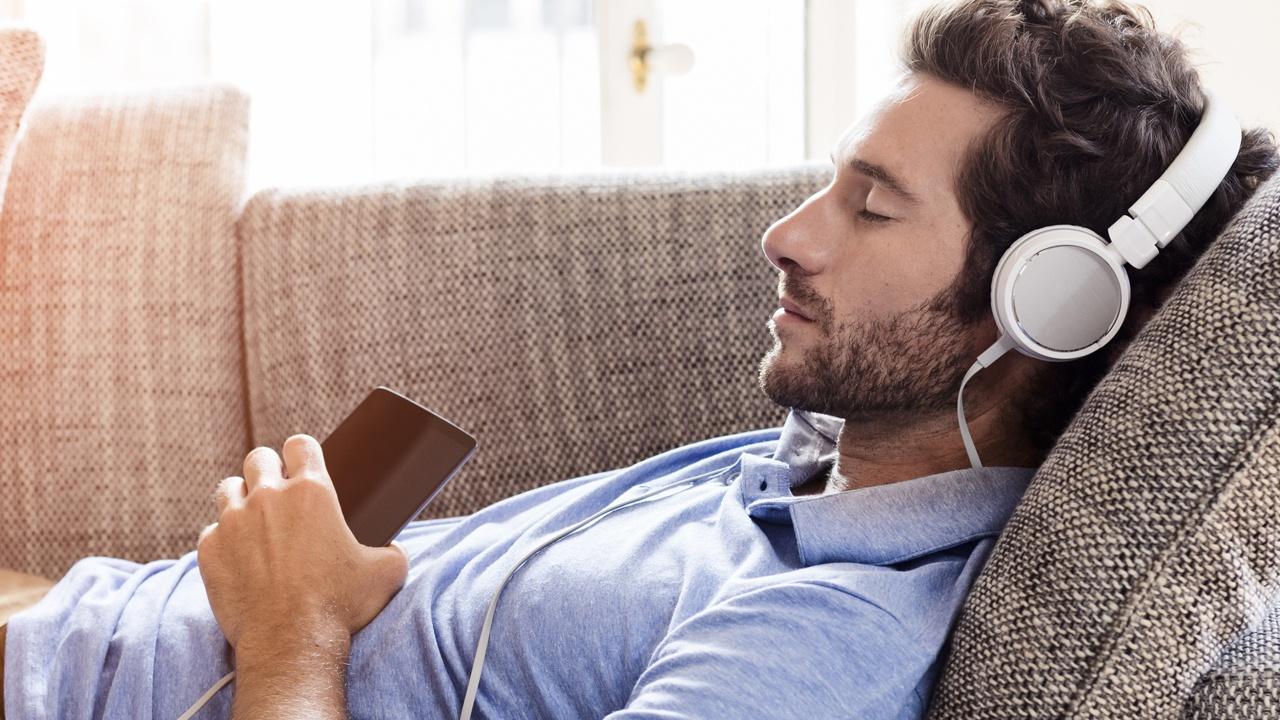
[1059,293]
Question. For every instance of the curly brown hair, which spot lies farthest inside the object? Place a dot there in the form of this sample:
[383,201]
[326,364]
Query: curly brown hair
[1097,103]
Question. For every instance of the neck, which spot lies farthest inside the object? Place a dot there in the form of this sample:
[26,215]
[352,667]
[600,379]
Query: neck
[870,456]
[881,449]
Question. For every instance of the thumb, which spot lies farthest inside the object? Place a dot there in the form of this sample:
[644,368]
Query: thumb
[384,573]
[393,563]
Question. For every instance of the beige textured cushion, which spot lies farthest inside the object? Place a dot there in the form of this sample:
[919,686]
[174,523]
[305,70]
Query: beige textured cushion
[1149,540]
[574,324]
[120,345]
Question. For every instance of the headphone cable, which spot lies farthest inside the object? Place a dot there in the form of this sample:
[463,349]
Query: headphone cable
[988,356]
[474,680]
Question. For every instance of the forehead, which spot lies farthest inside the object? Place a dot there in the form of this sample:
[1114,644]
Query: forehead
[919,132]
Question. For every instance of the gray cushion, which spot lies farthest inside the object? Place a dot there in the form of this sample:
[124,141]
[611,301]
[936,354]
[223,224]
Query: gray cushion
[574,324]
[1150,538]
[122,401]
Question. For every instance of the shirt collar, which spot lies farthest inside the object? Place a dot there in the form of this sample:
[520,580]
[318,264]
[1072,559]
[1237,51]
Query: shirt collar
[879,525]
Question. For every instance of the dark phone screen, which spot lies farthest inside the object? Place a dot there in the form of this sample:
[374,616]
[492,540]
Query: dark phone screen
[388,459]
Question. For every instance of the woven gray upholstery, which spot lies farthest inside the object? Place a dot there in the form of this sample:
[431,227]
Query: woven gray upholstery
[574,324]
[122,400]
[1149,540]
[1245,682]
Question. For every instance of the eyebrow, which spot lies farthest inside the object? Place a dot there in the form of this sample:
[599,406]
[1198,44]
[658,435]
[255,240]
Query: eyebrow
[881,175]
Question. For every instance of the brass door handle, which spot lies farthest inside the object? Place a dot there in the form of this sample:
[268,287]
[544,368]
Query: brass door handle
[674,59]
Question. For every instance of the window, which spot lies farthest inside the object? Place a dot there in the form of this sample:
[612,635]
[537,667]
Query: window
[355,92]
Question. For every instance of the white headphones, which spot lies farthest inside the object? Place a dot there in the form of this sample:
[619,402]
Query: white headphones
[1061,292]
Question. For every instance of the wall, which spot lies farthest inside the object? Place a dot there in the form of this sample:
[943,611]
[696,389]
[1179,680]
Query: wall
[852,44]
[1236,49]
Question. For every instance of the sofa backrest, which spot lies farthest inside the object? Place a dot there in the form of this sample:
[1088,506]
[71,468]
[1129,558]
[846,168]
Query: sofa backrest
[573,324]
[120,352]
[1149,540]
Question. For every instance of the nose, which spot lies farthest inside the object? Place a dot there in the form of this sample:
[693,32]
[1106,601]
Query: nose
[792,243]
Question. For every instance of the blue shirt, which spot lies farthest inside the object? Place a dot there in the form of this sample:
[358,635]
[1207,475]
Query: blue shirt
[723,597]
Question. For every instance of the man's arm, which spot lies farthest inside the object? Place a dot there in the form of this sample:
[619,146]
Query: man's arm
[289,584]
[295,678]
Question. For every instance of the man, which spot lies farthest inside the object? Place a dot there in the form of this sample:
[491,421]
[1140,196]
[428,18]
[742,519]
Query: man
[808,571]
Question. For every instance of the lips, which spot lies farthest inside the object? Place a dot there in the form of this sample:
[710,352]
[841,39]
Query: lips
[790,306]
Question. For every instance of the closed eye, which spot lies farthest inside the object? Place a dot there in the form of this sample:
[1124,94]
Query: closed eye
[871,217]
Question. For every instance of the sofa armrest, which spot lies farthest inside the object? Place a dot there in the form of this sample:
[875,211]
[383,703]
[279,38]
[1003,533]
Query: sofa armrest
[123,399]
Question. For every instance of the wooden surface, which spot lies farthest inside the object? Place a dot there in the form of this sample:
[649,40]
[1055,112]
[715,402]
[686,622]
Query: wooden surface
[19,591]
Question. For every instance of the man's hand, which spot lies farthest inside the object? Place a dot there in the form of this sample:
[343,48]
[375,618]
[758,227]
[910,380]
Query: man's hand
[287,581]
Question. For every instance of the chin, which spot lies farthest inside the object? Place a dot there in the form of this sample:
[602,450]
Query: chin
[780,376]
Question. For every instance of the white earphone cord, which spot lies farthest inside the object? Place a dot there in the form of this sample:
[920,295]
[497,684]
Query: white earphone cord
[974,460]
[482,645]
[477,666]
[208,695]
[473,682]
[988,356]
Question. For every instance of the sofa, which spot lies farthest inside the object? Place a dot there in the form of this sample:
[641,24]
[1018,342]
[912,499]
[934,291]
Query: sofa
[157,322]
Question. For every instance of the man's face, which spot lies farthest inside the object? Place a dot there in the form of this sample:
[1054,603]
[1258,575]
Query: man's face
[869,259]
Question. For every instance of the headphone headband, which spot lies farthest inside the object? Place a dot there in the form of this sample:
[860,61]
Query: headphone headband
[1170,203]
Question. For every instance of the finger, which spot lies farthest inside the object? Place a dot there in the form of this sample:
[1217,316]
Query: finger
[262,466]
[302,453]
[230,493]
[385,571]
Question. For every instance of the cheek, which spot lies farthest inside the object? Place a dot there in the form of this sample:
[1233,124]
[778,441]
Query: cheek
[884,279]
[948,242]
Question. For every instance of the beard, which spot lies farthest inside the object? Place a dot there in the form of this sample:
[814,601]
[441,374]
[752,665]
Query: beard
[905,365]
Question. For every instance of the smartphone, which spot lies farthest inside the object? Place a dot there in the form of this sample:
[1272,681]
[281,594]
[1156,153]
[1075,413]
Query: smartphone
[388,459]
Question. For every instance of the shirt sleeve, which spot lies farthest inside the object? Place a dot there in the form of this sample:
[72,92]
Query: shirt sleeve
[803,650]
